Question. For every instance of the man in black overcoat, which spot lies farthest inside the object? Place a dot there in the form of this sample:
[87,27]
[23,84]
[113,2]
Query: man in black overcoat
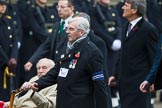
[139,44]
[79,76]
[56,43]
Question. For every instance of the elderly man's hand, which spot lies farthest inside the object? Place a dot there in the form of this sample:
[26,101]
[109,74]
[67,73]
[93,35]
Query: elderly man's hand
[6,105]
[29,85]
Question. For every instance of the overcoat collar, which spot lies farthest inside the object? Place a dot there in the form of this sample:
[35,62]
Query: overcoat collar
[133,31]
[73,54]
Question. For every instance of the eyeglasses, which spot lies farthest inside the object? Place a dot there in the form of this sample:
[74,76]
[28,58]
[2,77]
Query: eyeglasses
[70,29]
[62,7]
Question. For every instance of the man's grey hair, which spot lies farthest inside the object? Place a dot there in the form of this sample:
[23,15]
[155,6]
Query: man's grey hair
[49,62]
[140,5]
[82,23]
[82,14]
[70,2]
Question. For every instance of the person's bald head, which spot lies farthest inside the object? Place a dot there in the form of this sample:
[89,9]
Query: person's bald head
[43,66]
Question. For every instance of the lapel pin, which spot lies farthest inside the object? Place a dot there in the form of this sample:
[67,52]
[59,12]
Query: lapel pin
[77,55]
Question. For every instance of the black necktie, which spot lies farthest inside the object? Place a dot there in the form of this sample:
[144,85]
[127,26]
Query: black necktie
[61,28]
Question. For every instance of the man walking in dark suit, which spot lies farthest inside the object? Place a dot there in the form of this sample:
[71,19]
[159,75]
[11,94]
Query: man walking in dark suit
[79,76]
[139,44]
[53,46]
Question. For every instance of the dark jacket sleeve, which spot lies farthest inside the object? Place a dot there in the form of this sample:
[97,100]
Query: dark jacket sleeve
[46,48]
[50,78]
[100,86]
[102,44]
[152,42]
[42,51]
[102,47]
[152,74]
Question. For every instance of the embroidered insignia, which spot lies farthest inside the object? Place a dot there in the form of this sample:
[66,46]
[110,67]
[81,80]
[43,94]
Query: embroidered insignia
[98,76]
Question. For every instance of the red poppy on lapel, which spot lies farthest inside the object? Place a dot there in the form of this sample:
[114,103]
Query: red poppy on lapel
[134,29]
[77,55]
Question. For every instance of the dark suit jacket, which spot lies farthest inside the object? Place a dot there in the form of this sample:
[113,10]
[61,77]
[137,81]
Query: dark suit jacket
[81,84]
[102,47]
[52,47]
[137,54]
